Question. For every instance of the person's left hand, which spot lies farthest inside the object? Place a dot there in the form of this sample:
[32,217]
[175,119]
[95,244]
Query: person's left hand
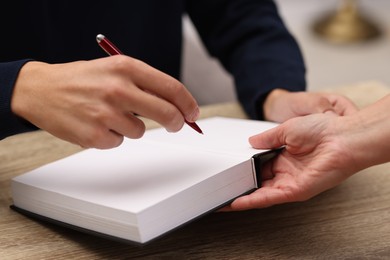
[282,105]
[317,157]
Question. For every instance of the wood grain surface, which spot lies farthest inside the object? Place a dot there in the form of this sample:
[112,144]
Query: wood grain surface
[351,221]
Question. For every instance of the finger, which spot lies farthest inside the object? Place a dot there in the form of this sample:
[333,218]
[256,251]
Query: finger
[127,125]
[304,103]
[109,128]
[266,171]
[319,104]
[261,198]
[269,139]
[342,105]
[166,87]
[100,138]
[152,107]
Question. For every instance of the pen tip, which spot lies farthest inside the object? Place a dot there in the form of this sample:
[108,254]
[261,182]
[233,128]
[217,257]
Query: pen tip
[100,37]
[194,126]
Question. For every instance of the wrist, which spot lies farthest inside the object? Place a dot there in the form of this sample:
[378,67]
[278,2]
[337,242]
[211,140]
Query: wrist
[349,130]
[25,88]
[11,124]
[269,103]
[368,136]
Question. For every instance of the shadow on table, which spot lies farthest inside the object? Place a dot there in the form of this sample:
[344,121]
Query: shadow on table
[272,232]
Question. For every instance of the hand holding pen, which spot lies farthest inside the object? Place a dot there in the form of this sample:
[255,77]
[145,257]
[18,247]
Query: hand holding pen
[92,103]
[111,49]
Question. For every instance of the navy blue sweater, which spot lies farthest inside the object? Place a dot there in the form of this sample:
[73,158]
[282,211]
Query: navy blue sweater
[247,36]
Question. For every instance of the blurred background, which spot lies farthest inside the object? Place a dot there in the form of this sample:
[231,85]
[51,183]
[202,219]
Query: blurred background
[337,50]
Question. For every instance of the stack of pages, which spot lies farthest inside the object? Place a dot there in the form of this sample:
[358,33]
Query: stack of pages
[145,187]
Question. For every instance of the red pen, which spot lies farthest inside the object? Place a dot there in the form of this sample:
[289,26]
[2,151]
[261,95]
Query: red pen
[111,49]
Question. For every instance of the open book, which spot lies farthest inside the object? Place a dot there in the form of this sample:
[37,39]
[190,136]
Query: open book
[146,187]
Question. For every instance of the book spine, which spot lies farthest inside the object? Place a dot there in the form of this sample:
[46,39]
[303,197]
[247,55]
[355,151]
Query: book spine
[258,161]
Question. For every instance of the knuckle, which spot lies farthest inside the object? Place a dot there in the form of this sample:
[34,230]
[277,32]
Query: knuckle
[100,116]
[120,62]
[168,115]
[171,118]
[322,102]
[103,138]
[115,90]
[181,97]
[317,104]
[176,88]
[124,64]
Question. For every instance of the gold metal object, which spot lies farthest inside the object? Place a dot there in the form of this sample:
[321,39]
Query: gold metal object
[346,25]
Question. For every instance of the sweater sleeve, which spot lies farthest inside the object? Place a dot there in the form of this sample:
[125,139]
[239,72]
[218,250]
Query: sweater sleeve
[253,44]
[10,123]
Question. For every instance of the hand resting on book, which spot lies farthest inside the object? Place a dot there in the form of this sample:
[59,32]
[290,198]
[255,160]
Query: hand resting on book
[321,151]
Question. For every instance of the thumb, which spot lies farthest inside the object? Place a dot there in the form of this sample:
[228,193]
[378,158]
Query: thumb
[269,139]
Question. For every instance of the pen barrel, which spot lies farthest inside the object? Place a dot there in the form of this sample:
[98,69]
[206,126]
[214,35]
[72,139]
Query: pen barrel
[109,47]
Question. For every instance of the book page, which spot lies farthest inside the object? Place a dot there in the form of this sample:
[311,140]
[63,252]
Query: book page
[221,135]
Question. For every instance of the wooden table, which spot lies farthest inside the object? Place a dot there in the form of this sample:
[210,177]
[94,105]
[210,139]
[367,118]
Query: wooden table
[349,221]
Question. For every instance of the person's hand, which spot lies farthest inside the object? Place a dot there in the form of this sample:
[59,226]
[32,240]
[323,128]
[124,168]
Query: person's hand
[92,103]
[318,155]
[282,105]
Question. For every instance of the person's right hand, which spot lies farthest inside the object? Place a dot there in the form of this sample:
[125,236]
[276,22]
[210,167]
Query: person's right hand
[92,103]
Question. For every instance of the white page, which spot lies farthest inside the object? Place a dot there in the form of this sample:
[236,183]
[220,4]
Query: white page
[221,135]
[140,173]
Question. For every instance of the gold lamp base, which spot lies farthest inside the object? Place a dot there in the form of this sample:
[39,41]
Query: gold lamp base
[347,25]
